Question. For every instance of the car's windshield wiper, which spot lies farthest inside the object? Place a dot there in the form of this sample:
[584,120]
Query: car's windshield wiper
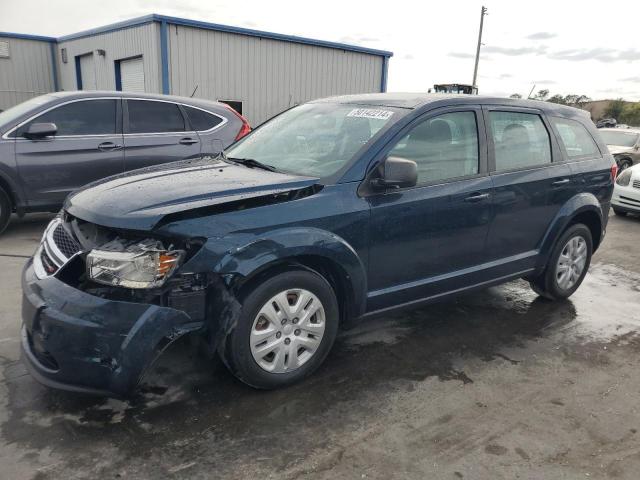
[251,163]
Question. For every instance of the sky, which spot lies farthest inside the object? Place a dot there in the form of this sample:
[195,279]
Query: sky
[568,47]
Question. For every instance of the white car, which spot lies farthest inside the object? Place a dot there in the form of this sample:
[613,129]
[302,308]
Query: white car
[626,192]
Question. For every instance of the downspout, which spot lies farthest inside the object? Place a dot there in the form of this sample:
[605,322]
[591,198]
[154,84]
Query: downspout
[54,65]
[385,69]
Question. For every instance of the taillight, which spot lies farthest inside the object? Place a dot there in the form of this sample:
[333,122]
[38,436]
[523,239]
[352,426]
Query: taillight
[614,171]
[245,129]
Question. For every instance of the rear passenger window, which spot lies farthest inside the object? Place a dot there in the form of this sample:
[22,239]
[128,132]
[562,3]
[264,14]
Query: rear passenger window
[444,147]
[154,117]
[201,120]
[577,141]
[521,140]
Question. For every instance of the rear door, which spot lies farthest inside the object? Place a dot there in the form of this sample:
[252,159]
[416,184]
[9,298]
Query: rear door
[87,147]
[156,131]
[530,183]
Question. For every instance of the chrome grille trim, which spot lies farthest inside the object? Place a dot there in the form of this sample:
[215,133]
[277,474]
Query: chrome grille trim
[53,251]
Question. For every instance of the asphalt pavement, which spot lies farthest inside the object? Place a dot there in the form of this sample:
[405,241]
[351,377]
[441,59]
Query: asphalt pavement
[498,384]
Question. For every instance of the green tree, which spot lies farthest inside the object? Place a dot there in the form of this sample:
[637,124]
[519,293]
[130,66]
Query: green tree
[631,114]
[557,99]
[541,95]
[615,108]
[515,95]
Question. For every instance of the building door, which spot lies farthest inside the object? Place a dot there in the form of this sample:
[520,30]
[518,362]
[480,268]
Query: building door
[131,75]
[86,72]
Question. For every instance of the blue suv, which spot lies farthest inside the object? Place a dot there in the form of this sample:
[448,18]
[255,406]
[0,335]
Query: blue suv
[333,211]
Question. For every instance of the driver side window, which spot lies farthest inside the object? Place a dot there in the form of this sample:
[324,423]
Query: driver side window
[443,147]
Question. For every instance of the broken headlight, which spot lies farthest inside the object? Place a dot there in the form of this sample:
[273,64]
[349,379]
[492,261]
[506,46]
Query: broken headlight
[139,264]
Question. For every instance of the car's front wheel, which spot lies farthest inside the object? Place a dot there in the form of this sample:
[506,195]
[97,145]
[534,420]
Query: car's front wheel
[567,265]
[624,164]
[285,329]
[5,210]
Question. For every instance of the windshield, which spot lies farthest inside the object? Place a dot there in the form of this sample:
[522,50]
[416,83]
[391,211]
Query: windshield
[622,139]
[315,139]
[7,117]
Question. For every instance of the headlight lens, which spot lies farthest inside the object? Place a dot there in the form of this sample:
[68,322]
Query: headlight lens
[624,178]
[144,264]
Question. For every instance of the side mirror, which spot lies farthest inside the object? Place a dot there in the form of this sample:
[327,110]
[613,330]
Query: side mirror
[41,130]
[396,172]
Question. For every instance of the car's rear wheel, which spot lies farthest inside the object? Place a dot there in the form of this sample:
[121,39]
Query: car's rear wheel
[285,329]
[567,265]
[617,211]
[5,210]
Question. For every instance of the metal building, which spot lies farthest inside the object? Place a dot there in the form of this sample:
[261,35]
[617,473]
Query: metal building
[259,73]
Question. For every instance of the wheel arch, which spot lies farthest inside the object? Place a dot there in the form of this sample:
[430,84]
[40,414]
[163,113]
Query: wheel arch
[582,208]
[310,248]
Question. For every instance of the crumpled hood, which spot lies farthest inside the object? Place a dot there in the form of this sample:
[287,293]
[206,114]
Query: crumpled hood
[140,199]
[616,149]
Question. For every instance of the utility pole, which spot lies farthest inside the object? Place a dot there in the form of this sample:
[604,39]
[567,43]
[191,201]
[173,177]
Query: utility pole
[483,12]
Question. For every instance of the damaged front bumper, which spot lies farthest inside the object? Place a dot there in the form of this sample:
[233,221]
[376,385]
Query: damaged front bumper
[76,341]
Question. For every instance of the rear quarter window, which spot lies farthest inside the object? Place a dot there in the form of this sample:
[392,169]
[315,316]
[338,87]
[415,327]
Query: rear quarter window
[575,138]
[201,120]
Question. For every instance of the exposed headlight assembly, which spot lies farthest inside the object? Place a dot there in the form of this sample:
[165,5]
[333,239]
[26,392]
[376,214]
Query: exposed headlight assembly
[140,264]
[624,178]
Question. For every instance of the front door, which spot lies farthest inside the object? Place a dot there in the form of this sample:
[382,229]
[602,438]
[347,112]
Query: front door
[87,147]
[157,132]
[431,238]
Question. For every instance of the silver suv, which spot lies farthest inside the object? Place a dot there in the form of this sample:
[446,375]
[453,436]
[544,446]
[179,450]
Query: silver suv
[53,144]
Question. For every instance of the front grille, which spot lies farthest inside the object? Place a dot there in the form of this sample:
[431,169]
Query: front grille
[629,201]
[65,243]
[636,184]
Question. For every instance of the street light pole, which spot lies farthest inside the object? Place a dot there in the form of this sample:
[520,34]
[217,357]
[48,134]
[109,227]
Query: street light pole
[483,12]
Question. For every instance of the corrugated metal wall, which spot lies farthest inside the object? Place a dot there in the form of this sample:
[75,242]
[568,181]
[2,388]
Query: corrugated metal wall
[129,42]
[267,75]
[27,73]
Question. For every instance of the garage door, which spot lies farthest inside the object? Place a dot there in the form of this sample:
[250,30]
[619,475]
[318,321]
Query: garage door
[88,72]
[132,75]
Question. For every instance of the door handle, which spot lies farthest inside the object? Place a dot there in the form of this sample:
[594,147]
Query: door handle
[559,183]
[477,197]
[187,141]
[108,146]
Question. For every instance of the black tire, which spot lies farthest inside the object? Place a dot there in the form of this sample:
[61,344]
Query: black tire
[624,164]
[5,210]
[236,353]
[617,211]
[546,285]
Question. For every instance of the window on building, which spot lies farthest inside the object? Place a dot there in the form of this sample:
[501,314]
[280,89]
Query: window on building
[237,106]
[154,117]
[201,120]
[443,147]
[577,141]
[521,140]
[87,117]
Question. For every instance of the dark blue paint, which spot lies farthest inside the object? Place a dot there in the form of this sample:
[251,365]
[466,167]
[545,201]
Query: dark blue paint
[24,36]
[78,73]
[116,65]
[164,56]
[386,249]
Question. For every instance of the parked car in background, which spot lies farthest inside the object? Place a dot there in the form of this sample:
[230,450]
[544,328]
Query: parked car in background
[626,193]
[624,145]
[335,210]
[606,123]
[53,144]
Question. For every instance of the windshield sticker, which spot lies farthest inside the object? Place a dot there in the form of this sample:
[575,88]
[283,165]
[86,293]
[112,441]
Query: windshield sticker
[370,113]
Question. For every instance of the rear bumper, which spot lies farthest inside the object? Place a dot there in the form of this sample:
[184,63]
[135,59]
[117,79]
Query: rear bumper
[75,341]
